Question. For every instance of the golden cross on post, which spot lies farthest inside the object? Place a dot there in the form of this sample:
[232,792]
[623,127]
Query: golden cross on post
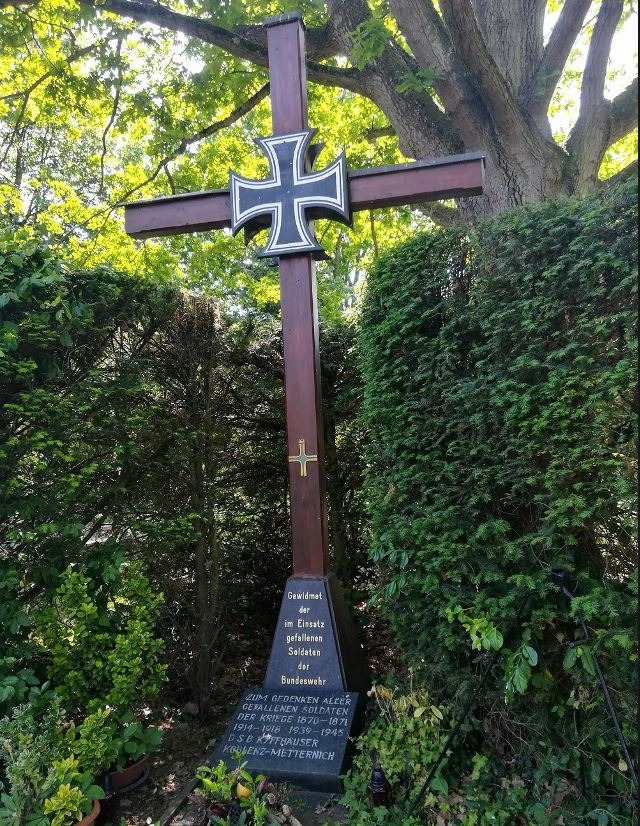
[303,458]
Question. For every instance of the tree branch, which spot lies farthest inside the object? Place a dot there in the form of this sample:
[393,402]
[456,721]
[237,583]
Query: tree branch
[420,23]
[233,42]
[514,34]
[440,214]
[114,113]
[321,41]
[628,172]
[624,112]
[486,76]
[39,81]
[381,80]
[206,132]
[540,91]
[376,132]
[430,43]
[590,137]
[595,71]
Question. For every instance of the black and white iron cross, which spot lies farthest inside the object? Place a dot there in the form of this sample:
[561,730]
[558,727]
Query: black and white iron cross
[290,196]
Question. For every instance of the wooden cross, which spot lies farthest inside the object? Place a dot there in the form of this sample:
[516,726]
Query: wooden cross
[291,197]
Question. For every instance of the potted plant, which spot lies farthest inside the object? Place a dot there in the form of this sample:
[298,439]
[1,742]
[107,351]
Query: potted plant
[99,636]
[115,749]
[134,742]
[96,747]
[43,779]
[75,800]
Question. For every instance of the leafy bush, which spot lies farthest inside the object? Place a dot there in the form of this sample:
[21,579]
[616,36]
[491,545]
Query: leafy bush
[104,661]
[74,796]
[101,641]
[93,742]
[133,740]
[406,738]
[139,420]
[498,376]
[17,678]
[42,776]
[233,796]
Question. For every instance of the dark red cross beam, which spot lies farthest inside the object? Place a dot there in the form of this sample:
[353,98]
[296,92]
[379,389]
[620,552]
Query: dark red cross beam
[412,183]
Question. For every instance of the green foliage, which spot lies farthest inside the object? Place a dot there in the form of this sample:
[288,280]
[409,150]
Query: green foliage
[31,740]
[220,790]
[344,439]
[93,742]
[16,684]
[370,39]
[471,788]
[68,381]
[101,641]
[133,740]
[498,372]
[74,796]
[70,183]
[405,737]
[484,634]
[67,805]
[157,433]
[421,81]
[18,681]
[43,777]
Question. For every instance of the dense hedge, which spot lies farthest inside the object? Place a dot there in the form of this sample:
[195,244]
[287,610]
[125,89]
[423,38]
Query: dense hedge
[499,392]
[140,422]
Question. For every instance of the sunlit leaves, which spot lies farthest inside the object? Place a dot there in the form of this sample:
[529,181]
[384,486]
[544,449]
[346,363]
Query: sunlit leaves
[369,41]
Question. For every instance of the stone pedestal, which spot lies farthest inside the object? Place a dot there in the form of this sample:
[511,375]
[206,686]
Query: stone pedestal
[296,728]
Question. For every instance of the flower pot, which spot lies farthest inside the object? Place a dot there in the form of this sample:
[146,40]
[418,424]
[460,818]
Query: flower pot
[131,776]
[109,809]
[90,818]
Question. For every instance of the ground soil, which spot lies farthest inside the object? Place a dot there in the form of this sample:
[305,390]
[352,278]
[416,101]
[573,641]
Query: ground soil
[188,741]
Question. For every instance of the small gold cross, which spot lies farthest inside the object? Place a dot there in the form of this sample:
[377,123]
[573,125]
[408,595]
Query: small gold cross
[303,458]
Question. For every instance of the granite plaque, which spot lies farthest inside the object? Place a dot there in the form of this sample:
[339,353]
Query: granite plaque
[304,653]
[300,737]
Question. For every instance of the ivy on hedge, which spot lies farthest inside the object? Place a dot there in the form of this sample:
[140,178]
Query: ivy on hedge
[499,378]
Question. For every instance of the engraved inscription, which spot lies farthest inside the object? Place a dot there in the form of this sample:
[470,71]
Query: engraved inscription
[296,728]
[304,653]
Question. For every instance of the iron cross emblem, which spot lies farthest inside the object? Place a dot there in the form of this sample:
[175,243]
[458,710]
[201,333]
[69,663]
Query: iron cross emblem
[292,196]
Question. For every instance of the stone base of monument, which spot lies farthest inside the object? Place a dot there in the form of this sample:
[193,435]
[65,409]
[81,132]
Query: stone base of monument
[295,737]
[296,728]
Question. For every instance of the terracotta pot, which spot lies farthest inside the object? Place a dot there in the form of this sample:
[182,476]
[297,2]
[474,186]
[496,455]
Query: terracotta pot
[90,818]
[132,774]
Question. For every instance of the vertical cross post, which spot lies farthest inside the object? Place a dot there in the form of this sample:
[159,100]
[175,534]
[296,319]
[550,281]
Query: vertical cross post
[315,646]
[286,42]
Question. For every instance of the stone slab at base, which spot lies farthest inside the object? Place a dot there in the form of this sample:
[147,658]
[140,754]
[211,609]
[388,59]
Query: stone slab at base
[297,737]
